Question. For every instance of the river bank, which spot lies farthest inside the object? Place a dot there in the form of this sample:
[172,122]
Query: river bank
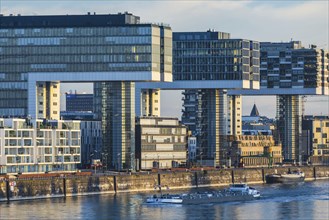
[22,188]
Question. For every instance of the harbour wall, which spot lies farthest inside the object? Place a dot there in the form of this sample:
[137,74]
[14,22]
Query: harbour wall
[22,188]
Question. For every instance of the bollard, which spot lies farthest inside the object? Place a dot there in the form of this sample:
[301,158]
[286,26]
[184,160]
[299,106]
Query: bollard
[196,179]
[159,179]
[64,186]
[7,190]
[314,173]
[115,183]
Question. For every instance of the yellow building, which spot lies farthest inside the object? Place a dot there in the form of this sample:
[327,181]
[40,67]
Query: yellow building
[316,139]
[254,150]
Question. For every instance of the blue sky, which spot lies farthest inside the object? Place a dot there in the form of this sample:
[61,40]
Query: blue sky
[261,20]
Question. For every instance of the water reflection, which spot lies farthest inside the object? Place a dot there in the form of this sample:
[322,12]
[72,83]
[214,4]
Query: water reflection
[308,201]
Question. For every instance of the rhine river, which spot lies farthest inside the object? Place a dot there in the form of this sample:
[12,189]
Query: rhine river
[309,200]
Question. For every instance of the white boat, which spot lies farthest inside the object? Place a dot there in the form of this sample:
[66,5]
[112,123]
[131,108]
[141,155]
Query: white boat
[244,189]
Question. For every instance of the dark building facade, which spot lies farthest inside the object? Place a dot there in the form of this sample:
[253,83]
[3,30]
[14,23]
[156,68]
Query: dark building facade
[79,102]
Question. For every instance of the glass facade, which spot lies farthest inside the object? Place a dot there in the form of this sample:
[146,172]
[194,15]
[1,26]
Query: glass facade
[24,50]
[114,105]
[201,56]
[289,65]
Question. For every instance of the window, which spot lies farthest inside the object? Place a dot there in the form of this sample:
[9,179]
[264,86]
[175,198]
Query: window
[318,129]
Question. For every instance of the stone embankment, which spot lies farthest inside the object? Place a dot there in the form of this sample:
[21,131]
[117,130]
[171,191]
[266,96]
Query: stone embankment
[49,186]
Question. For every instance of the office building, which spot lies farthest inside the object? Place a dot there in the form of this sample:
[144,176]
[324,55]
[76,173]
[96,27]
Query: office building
[212,57]
[192,148]
[82,116]
[161,143]
[290,71]
[91,143]
[39,145]
[79,102]
[112,50]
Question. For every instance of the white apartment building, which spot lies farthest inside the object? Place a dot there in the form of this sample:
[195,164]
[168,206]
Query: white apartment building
[32,146]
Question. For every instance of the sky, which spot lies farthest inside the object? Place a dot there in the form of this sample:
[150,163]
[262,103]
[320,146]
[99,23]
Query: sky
[260,20]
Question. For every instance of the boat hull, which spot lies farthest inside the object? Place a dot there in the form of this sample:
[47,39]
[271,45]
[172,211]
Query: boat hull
[283,179]
[191,201]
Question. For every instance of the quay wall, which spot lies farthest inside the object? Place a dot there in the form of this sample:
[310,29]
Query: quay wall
[29,187]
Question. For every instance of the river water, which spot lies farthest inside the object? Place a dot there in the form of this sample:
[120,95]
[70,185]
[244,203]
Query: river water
[309,200]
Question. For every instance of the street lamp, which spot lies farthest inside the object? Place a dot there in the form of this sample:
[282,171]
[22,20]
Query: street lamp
[132,160]
[145,162]
[17,158]
[201,157]
[104,155]
[173,161]
[119,162]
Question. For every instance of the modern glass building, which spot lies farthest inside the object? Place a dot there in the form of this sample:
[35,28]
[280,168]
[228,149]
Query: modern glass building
[39,52]
[215,63]
[291,71]
[213,56]
[79,102]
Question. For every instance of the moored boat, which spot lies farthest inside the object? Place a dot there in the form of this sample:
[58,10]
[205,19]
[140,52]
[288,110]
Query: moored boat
[290,177]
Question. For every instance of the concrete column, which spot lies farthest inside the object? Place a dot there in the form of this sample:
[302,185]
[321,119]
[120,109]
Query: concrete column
[289,125]
[115,107]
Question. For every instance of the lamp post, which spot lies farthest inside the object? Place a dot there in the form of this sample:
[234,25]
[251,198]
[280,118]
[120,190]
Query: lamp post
[173,161]
[104,155]
[215,159]
[145,162]
[158,162]
[17,158]
[132,161]
[201,157]
[119,161]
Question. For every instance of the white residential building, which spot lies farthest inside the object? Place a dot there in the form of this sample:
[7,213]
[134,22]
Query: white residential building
[38,145]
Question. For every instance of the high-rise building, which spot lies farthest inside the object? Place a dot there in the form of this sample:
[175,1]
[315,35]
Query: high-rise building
[114,50]
[207,58]
[91,143]
[290,71]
